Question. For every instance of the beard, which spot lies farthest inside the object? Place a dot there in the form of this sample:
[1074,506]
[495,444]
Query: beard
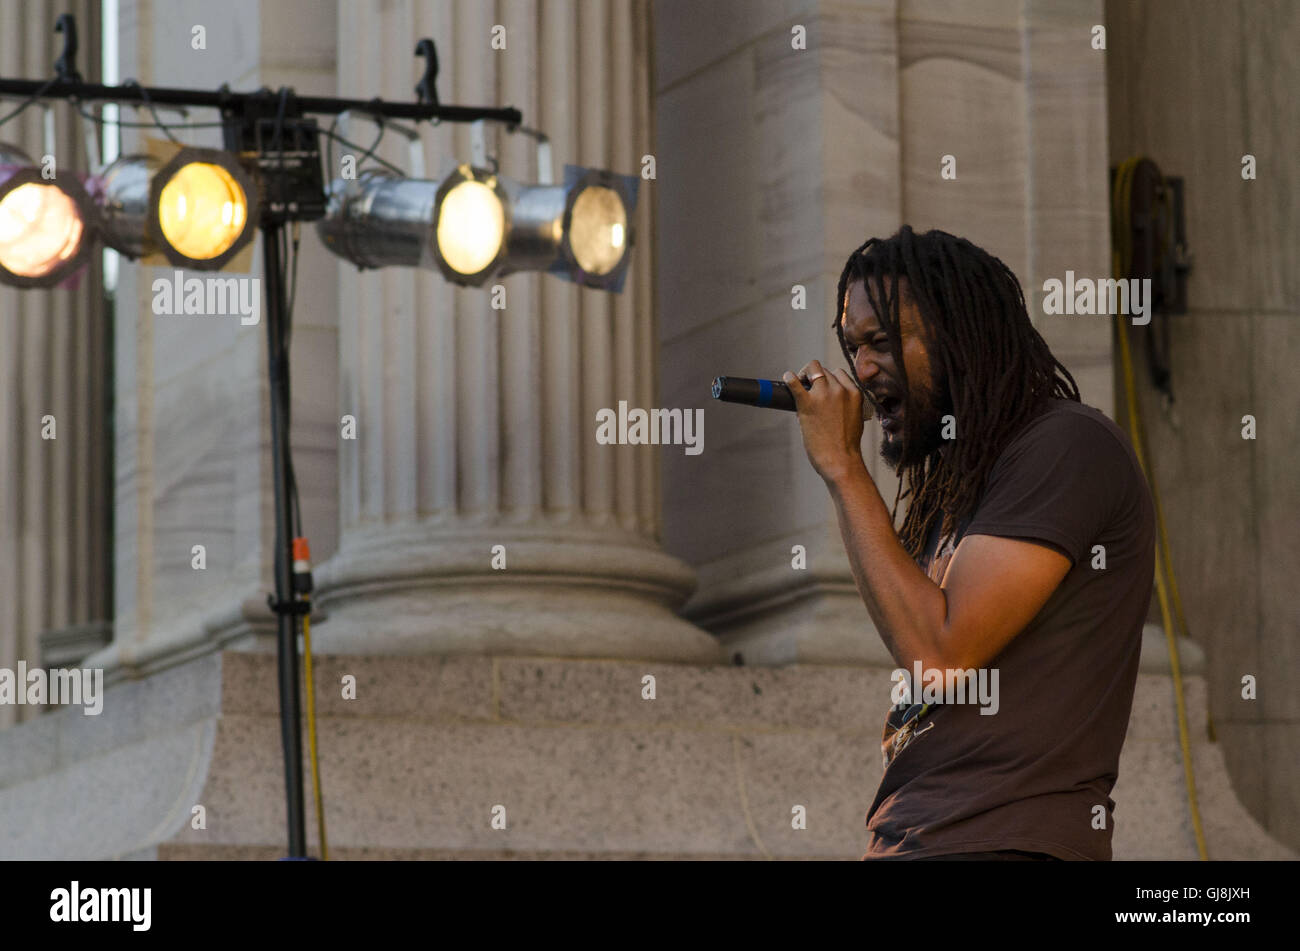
[923,413]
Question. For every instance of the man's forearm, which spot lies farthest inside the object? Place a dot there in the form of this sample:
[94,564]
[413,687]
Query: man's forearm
[908,608]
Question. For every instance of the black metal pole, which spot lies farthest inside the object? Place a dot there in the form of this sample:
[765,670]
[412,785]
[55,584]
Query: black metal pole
[286,619]
[225,99]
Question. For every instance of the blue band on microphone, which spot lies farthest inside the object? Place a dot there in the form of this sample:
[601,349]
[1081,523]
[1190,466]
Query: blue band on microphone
[764,392]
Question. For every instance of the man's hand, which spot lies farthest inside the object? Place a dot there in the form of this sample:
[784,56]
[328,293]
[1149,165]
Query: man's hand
[830,417]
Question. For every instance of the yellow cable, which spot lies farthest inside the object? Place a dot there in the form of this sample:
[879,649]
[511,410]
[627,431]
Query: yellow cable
[311,737]
[1164,560]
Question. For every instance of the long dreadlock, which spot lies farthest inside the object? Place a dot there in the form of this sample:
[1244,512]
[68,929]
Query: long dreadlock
[998,370]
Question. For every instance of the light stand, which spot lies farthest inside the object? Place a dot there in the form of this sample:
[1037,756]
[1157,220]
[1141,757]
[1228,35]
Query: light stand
[291,178]
[286,606]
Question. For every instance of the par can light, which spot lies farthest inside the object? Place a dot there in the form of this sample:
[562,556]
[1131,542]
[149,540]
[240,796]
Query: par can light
[476,224]
[536,227]
[199,209]
[124,204]
[202,208]
[470,224]
[45,223]
[380,220]
[597,226]
[580,231]
[458,225]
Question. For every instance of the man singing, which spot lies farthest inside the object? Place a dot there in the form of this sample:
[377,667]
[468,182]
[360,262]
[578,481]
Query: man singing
[1026,548]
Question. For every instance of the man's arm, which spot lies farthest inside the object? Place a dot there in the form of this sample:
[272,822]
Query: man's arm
[992,588]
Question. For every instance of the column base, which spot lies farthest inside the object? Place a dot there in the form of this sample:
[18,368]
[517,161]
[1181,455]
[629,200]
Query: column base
[812,621]
[436,591]
[761,606]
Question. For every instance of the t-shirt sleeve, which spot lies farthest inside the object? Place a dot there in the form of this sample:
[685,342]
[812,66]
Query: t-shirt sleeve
[1060,483]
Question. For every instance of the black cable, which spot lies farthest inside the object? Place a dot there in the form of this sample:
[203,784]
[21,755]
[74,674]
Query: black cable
[277,146]
[388,165]
[290,279]
[144,94]
[293,272]
[329,133]
[293,497]
[329,147]
[370,152]
[287,269]
[29,100]
[287,329]
[127,124]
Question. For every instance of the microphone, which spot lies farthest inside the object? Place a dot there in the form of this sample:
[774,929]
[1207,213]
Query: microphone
[772,394]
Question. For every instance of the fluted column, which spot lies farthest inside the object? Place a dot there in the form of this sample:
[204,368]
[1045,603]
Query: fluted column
[53,491]
[475,427]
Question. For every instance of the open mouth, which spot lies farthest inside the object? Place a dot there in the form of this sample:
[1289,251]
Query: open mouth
[889,407]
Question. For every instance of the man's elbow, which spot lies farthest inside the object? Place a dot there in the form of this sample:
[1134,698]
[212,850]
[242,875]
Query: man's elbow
[955,648]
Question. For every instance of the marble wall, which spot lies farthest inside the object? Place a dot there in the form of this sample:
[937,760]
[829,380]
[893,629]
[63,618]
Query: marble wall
[1196,85]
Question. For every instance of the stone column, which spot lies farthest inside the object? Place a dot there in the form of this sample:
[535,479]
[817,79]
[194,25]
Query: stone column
[788,135]
[475,428]
[53,491]
[192,451]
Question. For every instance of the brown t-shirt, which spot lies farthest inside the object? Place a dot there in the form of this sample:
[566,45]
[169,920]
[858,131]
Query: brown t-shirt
[1030,776]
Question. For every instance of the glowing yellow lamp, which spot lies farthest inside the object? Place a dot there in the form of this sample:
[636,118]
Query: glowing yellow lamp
[471,226]
[202,207]
[202,211]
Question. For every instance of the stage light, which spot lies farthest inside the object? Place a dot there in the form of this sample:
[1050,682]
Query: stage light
[124,204]
[202,208]
[458,225]
[45,223]
[476,225]
[471,226]
[580,231]
[198,209]
[596,231]
[380,220]
[597,226]
[201,211]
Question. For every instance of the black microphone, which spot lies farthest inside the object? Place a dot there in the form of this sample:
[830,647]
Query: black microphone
[772,394]
[769,393]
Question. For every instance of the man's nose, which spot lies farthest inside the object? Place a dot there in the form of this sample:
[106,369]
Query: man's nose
[865,367]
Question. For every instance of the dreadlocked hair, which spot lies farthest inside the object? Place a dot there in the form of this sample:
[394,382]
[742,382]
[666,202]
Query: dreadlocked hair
[997,370]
